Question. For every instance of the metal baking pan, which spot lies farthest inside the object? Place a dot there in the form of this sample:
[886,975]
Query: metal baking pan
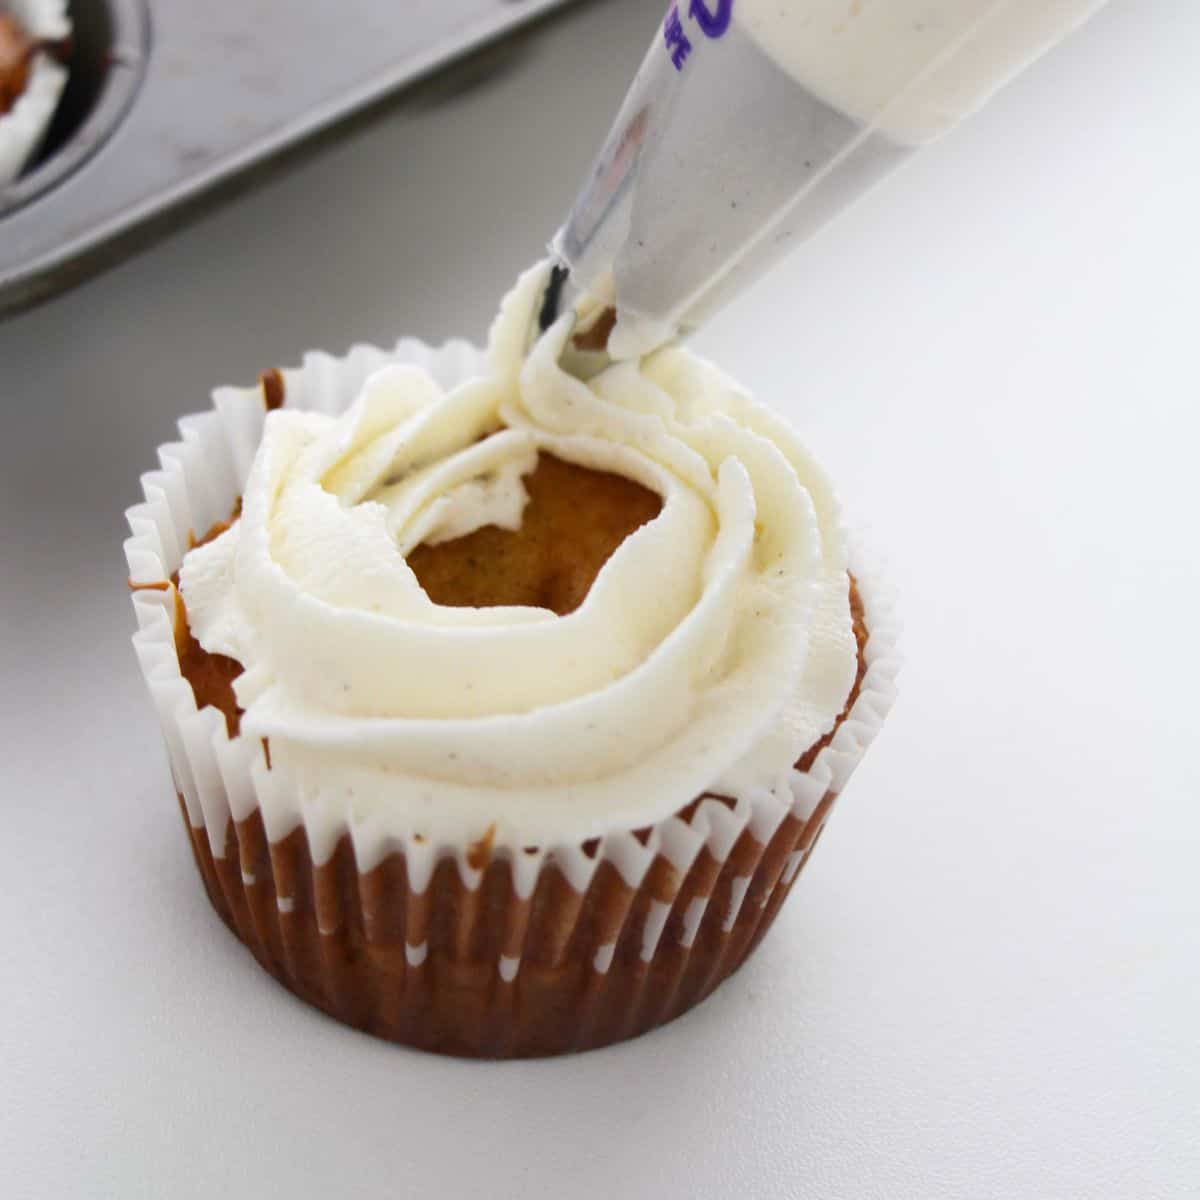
[168,98]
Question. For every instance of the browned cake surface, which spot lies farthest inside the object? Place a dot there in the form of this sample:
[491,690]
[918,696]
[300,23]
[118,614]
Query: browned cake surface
[211,675]
[575,519]
[859,622]
[15,50]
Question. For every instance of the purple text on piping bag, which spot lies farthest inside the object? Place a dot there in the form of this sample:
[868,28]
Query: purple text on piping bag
[712,24]
[678,46]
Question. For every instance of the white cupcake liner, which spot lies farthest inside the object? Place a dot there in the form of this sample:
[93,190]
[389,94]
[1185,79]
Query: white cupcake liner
[222,780]
[24,125]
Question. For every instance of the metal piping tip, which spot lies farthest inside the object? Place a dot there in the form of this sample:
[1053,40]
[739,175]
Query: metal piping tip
[552,297]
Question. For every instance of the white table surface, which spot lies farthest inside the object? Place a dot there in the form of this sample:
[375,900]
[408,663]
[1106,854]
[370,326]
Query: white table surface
[988,981]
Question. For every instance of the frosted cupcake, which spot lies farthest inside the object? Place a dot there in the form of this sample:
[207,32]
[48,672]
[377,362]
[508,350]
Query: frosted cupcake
[31,77]
[503,709]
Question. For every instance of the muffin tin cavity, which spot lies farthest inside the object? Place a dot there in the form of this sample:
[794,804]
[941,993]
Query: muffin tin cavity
[168,99]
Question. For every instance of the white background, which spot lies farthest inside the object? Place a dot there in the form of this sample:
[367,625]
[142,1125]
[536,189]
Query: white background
[987,983]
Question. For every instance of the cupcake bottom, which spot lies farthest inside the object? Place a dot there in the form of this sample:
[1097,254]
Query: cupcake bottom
[483,971]
[430,969]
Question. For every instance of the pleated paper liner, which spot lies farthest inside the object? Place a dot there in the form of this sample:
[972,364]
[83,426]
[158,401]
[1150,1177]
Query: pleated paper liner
[461,949]
[481,971]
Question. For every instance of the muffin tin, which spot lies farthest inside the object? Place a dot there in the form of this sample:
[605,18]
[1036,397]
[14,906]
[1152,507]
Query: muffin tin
[167,98]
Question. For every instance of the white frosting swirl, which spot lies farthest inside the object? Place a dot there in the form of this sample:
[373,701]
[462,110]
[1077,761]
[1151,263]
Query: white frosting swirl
[713,649]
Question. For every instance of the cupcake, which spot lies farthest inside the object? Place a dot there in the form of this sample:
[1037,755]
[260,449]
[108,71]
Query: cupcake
[32,79]
[503,709]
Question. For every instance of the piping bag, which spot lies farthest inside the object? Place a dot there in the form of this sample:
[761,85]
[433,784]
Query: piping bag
[749,125]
